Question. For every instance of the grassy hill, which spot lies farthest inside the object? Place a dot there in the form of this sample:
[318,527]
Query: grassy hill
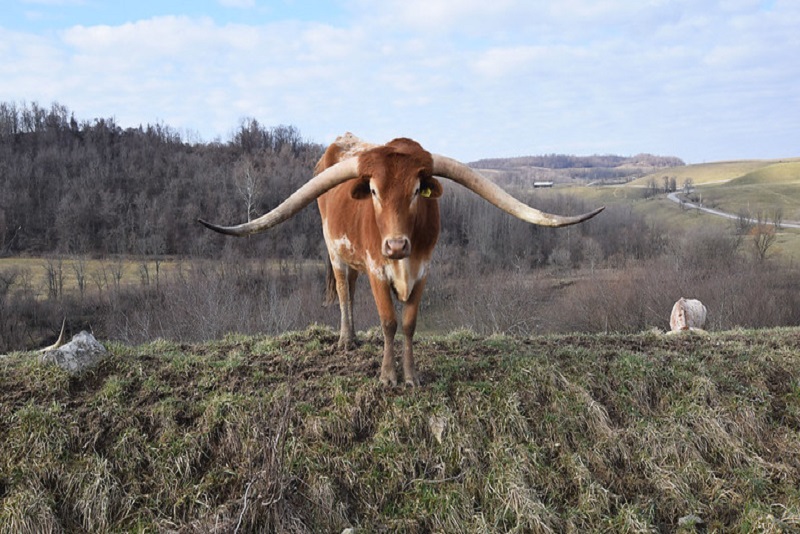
[770,188]
[574,433]
[759,185]
[714,172]
[753,187]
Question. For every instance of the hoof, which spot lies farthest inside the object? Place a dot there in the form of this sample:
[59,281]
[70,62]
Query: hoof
[388,379]
[412,381]
[410,374]
[346,344]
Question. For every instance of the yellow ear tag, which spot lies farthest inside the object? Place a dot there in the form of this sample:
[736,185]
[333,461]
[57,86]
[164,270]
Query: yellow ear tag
[426,192]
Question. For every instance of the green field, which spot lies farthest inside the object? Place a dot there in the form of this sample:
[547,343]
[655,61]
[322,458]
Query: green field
[712,173]
[771,188]
[766,187]
[746,186]
[571,433]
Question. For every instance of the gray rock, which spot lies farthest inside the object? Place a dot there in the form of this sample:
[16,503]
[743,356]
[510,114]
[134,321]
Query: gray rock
[81,353]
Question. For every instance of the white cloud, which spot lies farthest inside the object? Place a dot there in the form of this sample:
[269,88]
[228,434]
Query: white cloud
[52,3]
[476,78]
[435,13]
[240,4]
[153,38]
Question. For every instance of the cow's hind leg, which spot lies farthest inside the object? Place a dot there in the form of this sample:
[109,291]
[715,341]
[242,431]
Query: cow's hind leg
[383,300]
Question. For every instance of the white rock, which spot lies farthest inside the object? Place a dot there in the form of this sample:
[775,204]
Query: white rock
[81,353]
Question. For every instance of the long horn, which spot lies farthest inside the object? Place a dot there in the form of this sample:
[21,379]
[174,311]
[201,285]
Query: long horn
[472,180]
[324,181]
[59,342]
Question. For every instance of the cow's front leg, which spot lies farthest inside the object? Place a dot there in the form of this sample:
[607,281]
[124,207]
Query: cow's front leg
[383,300]
[345,289]
[409,327]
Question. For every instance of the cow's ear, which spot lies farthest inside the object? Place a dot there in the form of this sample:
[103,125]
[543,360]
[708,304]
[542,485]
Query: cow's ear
[430,188]
[361,189]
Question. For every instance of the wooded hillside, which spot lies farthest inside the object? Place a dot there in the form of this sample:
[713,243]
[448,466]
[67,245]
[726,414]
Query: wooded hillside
[92,187]
[73,186]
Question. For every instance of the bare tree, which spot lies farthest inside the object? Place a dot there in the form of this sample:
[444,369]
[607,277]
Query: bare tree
[54,272]
[777,218]
[592,252]
[763,236]
[79,268]
[652,188]
[7,279]
[117,270]
[744,222]
[248,185]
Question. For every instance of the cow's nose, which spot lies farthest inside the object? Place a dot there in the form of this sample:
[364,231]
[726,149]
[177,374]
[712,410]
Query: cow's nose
[396,248]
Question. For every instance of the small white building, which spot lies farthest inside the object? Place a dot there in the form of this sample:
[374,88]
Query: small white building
[538,185]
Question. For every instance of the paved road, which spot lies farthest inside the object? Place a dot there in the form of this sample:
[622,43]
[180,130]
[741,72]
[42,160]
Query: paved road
[674,197]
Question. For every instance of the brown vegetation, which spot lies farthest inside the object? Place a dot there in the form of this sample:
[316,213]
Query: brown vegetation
[561,433]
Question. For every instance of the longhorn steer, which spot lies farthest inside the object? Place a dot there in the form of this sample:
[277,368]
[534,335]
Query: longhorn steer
[380,216]
[687,314]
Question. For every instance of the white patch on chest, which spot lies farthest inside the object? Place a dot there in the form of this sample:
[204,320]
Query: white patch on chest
[399,273]
[375,268]
[343,245]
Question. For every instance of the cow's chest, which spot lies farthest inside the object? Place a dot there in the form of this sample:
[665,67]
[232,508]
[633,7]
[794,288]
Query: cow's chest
[402,275]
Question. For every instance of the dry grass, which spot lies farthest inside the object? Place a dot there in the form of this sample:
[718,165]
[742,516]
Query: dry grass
[102,276]
[570,433]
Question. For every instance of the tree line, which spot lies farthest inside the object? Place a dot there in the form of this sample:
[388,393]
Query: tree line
[91,187]
[568,161]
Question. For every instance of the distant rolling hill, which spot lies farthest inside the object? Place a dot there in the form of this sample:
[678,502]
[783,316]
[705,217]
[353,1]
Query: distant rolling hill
[568,169]
[725,171]
[768,187]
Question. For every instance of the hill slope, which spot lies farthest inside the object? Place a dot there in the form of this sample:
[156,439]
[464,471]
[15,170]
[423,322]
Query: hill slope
[574,433]
[783,172]
[712,173]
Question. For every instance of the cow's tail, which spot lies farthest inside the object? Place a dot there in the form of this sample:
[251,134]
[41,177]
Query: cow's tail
[330,285]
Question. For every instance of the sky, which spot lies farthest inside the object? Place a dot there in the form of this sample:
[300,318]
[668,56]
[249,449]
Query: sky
[703,80]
